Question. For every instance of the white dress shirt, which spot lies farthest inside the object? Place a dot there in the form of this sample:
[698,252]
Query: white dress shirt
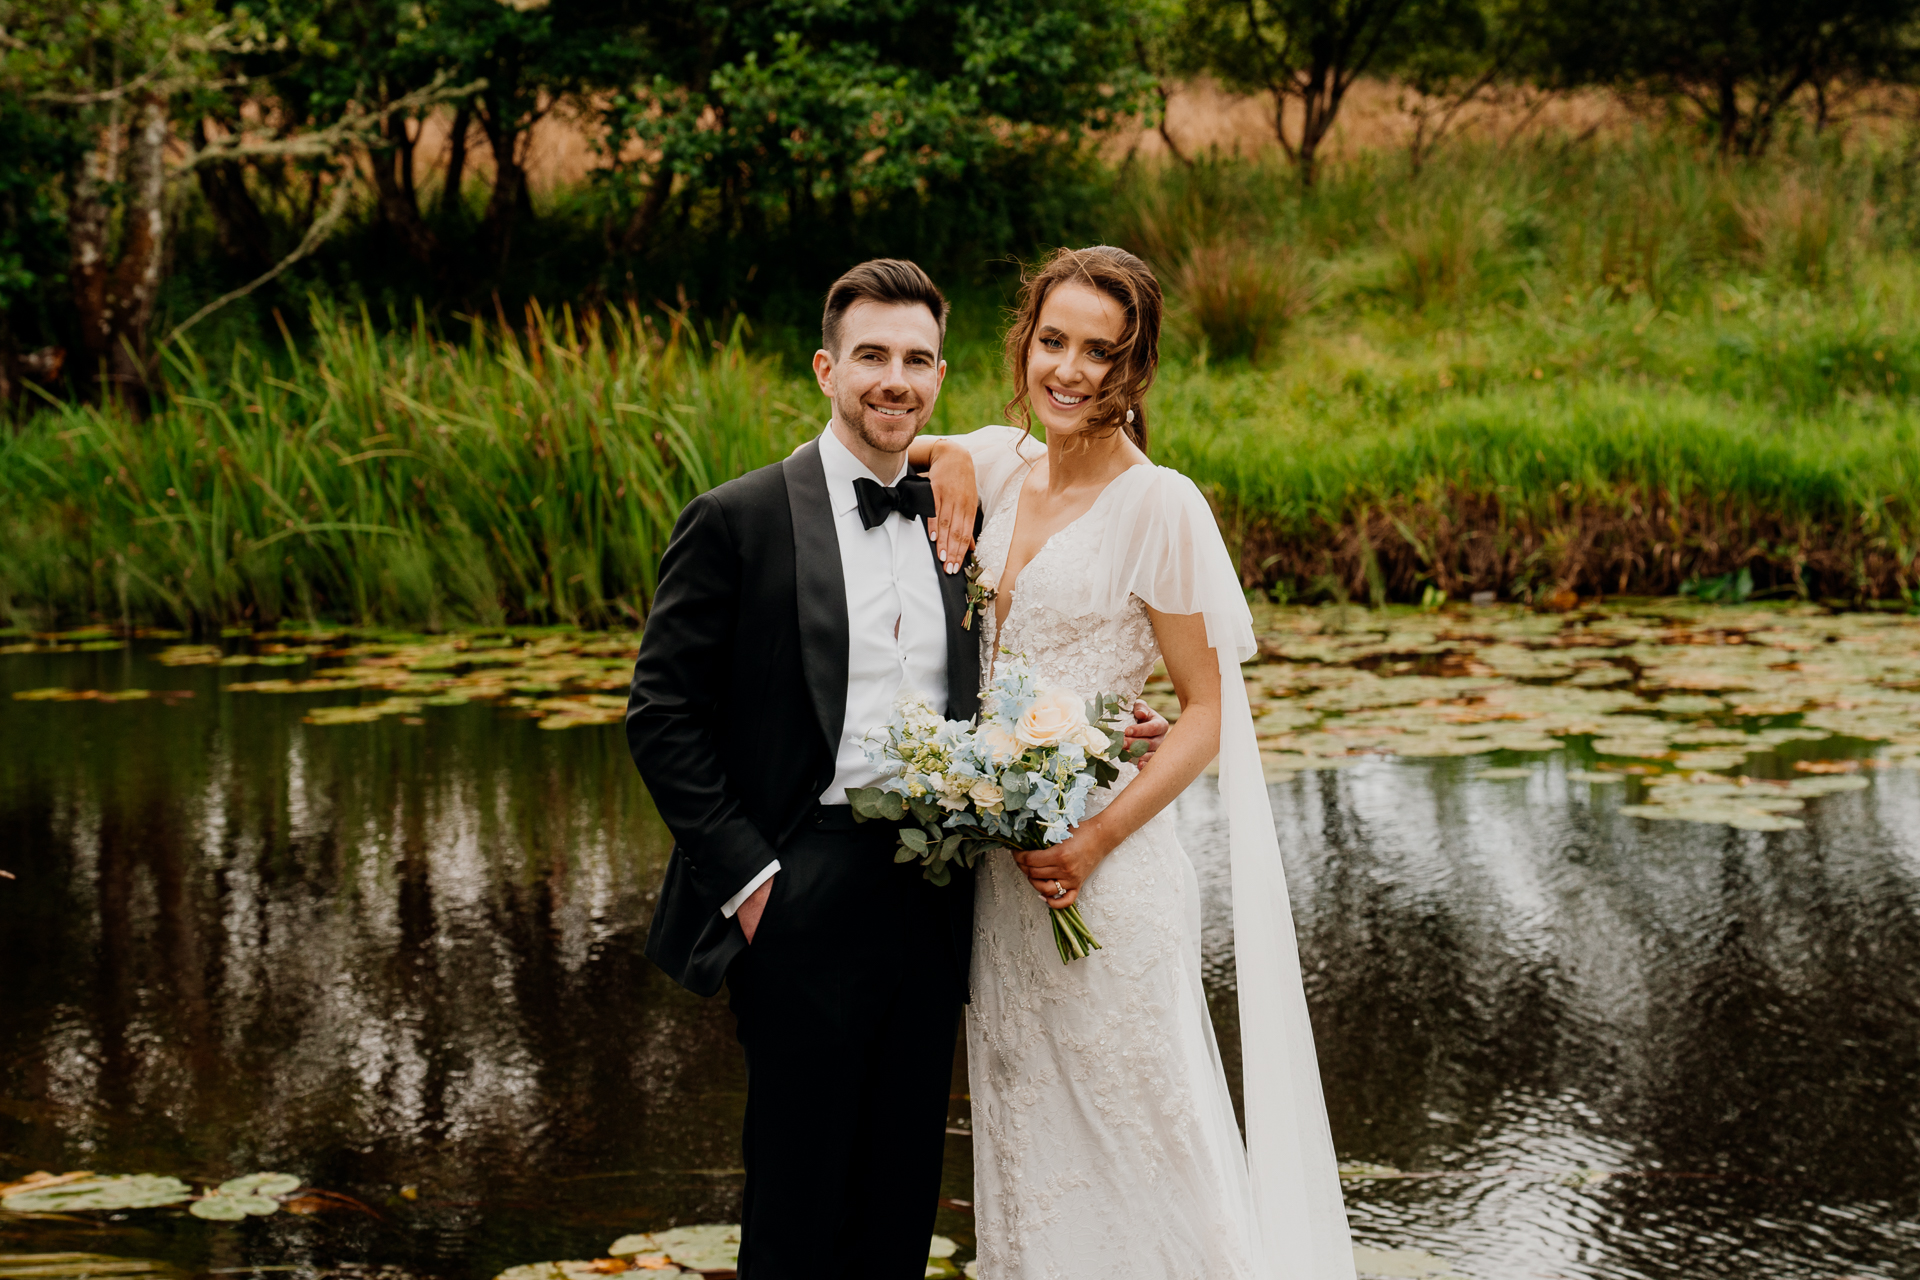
[896,625]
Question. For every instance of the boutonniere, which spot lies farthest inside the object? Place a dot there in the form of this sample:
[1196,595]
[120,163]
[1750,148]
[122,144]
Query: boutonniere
[980,592]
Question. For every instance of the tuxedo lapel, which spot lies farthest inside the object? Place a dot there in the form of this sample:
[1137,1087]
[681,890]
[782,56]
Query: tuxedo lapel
[963,643]
[820,589]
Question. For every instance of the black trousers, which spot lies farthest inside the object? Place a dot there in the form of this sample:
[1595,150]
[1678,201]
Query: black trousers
[848,1006]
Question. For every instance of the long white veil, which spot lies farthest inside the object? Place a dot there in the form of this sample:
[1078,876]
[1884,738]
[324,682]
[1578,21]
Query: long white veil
[1162,544]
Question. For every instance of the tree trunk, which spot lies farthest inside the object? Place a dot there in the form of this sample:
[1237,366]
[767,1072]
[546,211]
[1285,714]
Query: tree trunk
[136,281]
[1729,110]
[640,227]
[397,204]
[115,300]
[509,179]
[237,220]
[450,202]
[1280,121]
[403,155]
[1173,148]
[1316,117]
[88,224]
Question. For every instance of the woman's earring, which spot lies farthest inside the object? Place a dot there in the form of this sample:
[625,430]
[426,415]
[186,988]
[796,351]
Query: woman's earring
[1129,417]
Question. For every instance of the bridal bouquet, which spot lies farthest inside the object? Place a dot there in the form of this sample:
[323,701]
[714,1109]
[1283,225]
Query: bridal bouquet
[1017,779]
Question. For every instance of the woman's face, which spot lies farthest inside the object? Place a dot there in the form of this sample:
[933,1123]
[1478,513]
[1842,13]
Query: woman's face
[1071,354]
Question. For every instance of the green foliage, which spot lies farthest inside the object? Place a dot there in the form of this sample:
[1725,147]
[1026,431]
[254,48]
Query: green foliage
[1727,588]
[399,477]
[34,151]
[1643,367]
[1738,66]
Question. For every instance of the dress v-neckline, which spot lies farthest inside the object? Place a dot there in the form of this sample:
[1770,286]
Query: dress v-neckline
[1006,590]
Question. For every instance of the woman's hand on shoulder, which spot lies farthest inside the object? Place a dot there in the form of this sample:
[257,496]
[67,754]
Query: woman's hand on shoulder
[956,500]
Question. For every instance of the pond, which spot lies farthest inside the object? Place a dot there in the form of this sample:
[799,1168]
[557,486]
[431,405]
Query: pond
[1613,975]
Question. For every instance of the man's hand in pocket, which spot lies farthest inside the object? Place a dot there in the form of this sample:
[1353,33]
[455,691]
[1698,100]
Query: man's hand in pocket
[750,911]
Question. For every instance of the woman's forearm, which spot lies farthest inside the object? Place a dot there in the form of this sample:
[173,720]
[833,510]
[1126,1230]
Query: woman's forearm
[1189,747]
[921,452]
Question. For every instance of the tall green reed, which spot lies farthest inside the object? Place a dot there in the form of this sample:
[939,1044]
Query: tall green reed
[395,477]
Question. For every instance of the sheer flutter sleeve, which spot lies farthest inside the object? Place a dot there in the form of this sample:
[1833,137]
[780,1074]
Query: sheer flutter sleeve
[1000,456]
[1161,543]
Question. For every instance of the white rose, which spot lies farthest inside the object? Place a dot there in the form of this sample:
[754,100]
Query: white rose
[1055,717]
[1095,739]
[985,793]
[1000,745]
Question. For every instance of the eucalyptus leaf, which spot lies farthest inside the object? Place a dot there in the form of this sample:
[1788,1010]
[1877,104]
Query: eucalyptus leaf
[914,839]
[865,802]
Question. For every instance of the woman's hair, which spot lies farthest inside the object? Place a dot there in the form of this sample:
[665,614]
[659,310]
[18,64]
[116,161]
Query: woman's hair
[1135,354]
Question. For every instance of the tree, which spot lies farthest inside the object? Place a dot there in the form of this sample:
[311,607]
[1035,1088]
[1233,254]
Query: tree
[1309,51]
[113,80]
[103,74]
[1465,52]
[1738,65]
[792,118]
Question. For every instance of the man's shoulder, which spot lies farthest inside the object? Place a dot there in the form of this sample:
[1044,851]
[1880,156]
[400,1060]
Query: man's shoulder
[750,494]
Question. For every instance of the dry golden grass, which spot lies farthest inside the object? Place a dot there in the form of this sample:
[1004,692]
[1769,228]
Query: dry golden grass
[1377,115]
[559,151]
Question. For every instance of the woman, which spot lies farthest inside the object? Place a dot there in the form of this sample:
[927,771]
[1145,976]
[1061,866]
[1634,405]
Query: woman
[1104,1137]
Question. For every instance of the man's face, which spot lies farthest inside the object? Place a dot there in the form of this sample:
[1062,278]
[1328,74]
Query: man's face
[887,374]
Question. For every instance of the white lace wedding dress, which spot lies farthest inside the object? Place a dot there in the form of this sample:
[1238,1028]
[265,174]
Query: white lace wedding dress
[1105,1143]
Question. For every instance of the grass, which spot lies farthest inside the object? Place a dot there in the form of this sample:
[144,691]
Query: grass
[530,475]
[1569,367]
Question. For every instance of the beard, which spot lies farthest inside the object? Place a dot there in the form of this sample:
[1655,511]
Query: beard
[887,435]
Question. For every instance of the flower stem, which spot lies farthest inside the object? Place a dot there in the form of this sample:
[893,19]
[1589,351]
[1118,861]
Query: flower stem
[1071,935]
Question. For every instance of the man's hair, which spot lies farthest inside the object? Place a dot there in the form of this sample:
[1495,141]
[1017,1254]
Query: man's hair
[881,280]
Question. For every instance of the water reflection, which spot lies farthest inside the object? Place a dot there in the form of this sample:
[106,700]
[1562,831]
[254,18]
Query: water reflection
[1517,987]
[393,956]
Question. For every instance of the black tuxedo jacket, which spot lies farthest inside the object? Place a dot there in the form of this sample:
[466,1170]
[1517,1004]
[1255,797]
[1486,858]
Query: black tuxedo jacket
[739,693]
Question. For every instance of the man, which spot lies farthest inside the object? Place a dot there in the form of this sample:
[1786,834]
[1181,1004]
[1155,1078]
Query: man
[794,604]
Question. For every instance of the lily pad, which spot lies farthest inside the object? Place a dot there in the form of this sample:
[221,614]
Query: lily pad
[708,1247]
[1360,1169]
[219,1209]
[261,1184]
[1401,1264]
[1592,778]
[75,1266]
[582,1270]
[129,1191]
[191,655]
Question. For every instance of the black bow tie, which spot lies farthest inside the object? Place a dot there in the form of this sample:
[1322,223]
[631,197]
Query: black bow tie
[913,496]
